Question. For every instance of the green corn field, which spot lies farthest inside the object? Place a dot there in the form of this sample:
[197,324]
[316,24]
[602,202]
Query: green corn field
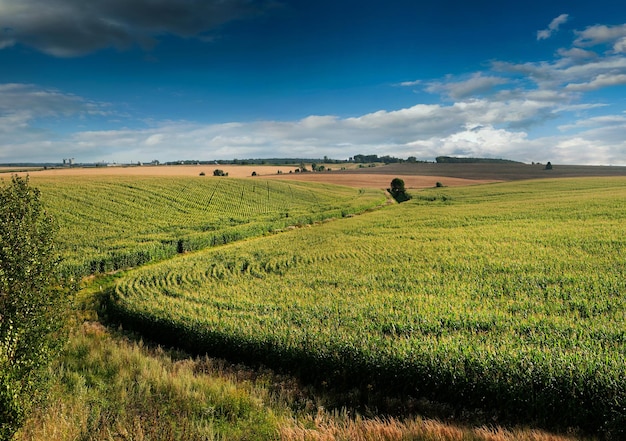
[508,297]
[113,222]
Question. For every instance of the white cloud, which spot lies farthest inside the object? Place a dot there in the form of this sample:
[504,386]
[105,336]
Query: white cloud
[576,54]
[316,122]
[600,34]
[600,81]
[32,100]
[410,83]
[22,105]
[564,71]
[476,84]
[154,139]
[13,121]
[620,45]
[604,121]
[471,128]
[552,27]
[483,141]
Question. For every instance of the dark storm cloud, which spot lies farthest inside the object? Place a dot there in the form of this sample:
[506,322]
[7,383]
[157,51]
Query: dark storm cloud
[68,28]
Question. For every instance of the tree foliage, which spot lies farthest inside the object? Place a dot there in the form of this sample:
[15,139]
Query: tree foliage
[455,160]
[32,301]
[398,191]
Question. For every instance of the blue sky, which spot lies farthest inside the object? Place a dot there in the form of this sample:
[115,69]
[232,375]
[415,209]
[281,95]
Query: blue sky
[137,80]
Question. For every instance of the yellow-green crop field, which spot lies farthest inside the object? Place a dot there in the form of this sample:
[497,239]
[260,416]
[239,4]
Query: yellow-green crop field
[113,222]
[504,297]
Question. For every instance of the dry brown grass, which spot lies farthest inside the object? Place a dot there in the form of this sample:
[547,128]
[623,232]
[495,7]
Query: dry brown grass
[326,427]
[153,396]
[107,387]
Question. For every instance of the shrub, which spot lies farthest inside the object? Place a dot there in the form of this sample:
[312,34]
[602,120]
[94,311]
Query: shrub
[397,190]
[32,301]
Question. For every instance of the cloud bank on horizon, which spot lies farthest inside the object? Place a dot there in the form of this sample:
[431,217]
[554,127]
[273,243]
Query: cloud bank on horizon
[565,107]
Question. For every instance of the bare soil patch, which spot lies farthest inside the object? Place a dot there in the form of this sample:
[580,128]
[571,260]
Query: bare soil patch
[424,175]
[493,171]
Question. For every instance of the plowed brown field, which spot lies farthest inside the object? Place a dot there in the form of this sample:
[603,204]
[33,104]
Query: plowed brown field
[380,180]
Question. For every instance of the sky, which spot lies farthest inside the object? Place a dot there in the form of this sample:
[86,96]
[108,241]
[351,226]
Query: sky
[124,81]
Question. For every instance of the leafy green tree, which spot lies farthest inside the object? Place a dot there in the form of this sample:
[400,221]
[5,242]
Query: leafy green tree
[398,191]
[33,302]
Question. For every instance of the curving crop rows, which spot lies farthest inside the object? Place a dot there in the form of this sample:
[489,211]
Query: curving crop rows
[111,222]
[507,297]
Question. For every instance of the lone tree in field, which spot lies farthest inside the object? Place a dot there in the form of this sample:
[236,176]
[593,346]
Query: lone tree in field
[32,301]
[398,191]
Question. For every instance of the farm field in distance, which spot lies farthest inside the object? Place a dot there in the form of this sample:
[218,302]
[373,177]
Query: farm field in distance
[416,175]
[110,222]
[353,176]
[503,300]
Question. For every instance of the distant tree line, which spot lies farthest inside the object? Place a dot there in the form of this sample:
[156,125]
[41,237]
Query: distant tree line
[261,161]
[456,160]
[360,159]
